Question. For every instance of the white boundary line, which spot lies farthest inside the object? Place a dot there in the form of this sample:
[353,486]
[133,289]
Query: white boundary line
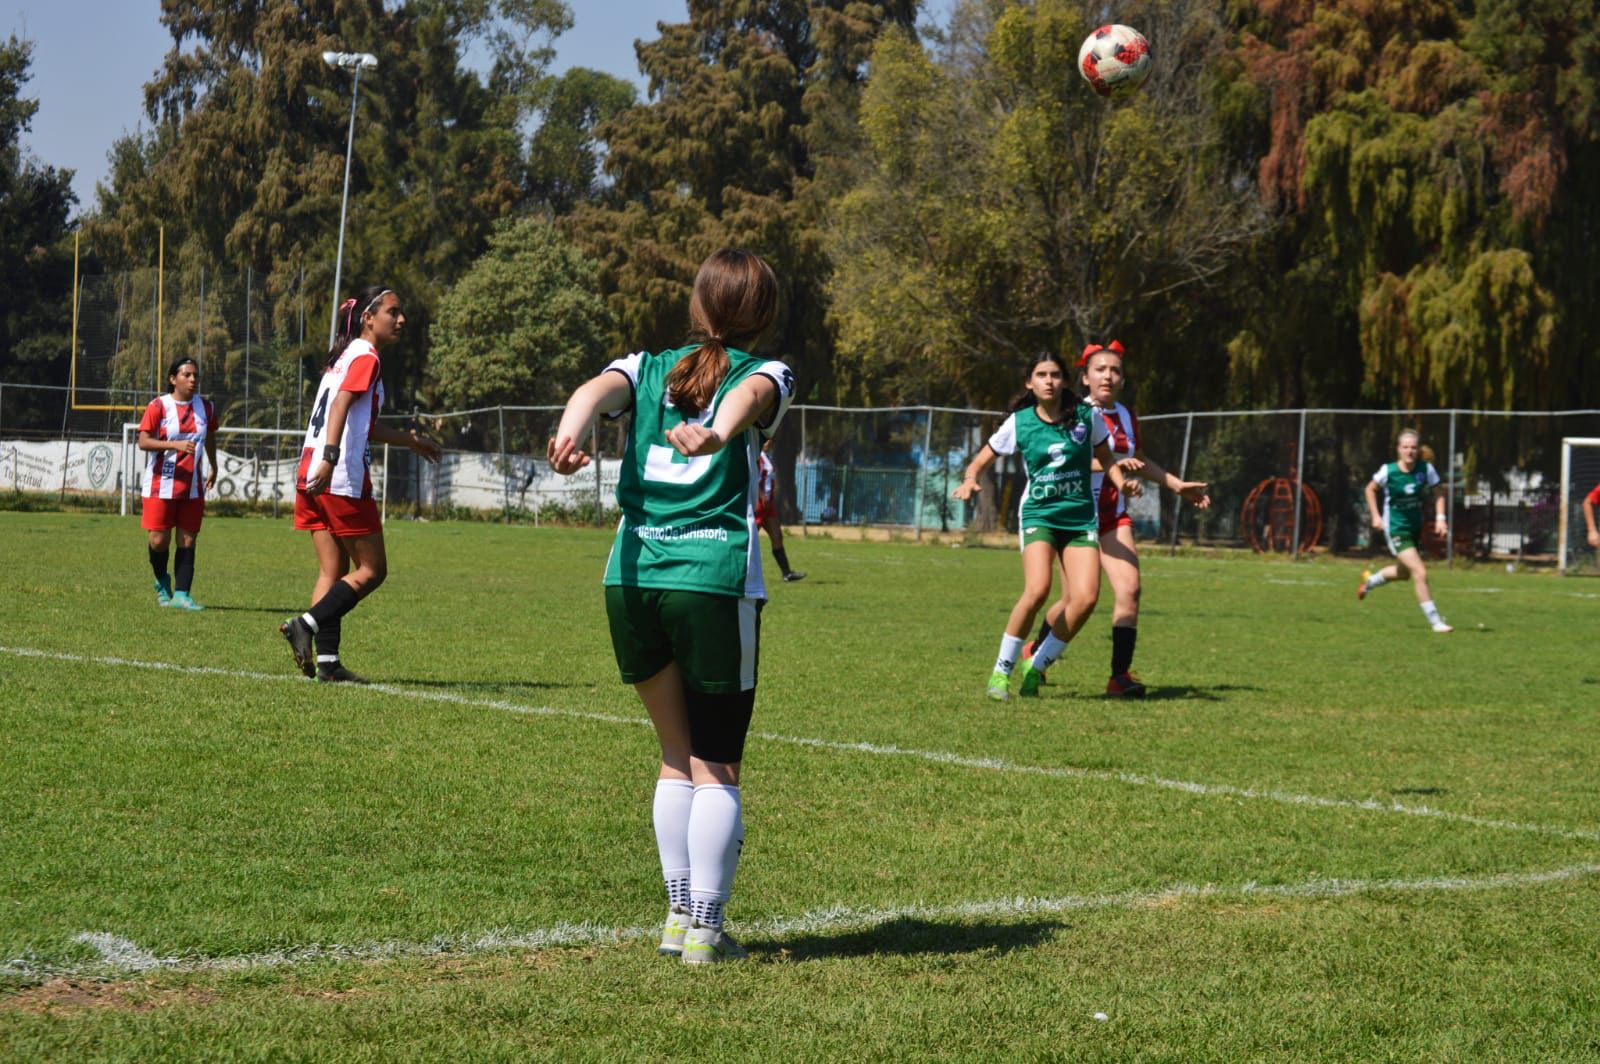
[989,764]
[121,957]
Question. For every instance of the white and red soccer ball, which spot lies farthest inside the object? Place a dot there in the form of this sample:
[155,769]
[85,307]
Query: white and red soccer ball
[1115,60]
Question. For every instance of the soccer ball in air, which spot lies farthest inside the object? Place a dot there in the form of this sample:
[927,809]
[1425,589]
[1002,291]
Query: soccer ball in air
[1115,60]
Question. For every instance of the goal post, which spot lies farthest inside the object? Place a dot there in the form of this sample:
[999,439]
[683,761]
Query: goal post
[1580,474]
[254,465]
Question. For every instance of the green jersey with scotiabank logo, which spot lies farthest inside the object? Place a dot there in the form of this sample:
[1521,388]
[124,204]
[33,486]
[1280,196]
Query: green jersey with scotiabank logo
[688,524]
[1057,457]
[1403,495]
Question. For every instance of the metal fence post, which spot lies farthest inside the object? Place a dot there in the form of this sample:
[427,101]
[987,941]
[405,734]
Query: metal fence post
[1183,474]
[1299,480]
[805,526]
[505,473]
[247,293]
[922,472]
[1450,497]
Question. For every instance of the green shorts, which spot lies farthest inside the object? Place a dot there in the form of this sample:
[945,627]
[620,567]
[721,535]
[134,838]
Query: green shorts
[713,638]
[1060,538]
[1402,541]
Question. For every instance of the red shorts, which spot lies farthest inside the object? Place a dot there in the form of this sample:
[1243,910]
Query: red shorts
[337,514]
[765,512]
[162,514]
[1109,523]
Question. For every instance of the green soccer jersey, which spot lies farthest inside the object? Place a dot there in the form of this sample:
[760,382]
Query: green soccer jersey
[1057,458]
[688,524]
[1403,495]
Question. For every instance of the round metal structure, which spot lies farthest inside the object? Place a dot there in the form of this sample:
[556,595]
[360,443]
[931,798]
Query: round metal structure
[1267,516]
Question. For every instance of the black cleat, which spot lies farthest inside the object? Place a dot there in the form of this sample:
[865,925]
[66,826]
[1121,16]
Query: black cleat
[301,641]
[336,673]
[792,575]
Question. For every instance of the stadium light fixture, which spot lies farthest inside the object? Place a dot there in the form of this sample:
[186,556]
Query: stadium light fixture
[355,62]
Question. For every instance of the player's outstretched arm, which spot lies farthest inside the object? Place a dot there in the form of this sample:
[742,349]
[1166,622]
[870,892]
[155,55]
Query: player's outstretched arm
[608,393]
[969,485]
[419,442]
[742,407]
[1192,490]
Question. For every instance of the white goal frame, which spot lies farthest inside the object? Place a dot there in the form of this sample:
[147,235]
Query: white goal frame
[1567,444]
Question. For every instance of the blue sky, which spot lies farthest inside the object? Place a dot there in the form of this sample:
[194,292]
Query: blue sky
[91,59]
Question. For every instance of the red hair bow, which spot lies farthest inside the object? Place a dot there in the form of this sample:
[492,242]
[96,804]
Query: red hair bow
[1090,350]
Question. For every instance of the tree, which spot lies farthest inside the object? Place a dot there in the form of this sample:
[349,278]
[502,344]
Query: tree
[1005,209]
[523,325]
[251,125]
[565,152]
[35,265]
[744,97]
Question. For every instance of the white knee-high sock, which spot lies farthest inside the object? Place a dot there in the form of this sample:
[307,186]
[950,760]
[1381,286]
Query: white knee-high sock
[1046,653]
[1010,652]
[671,814]
[716,834]
[1430,611]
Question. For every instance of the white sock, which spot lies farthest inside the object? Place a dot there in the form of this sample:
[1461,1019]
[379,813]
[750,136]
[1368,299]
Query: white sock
[671,815]
[1046,653]
[1430,611]
[716,835]
[1010,651]
[1377,579]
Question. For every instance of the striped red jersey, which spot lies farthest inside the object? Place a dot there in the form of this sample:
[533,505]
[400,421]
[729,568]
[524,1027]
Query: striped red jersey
[357,370]
[1123,427]
[171,474]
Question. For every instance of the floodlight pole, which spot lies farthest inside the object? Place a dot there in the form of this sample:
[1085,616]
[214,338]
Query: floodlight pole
[355,62]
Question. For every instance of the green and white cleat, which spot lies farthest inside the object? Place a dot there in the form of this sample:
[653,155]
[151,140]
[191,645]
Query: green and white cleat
[673,933]
[182,601]
[999,685]
[710,945]
[1031,678]
[163,591]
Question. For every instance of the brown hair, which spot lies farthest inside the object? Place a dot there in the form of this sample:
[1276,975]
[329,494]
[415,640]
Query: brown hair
[735,300]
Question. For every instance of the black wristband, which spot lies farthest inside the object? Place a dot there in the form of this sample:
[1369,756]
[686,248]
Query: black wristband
[330,455]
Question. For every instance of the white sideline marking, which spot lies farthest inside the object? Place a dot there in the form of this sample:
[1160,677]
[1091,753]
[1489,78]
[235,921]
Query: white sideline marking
[1299,583]
[119,957]
[989,764]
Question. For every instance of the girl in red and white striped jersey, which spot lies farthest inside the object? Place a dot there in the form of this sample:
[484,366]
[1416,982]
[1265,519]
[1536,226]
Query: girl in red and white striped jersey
[333,489]
[174,428]
[1102,378]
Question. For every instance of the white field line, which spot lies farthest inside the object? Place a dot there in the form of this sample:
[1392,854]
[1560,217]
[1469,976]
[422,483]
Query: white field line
[120,957]
[988,764]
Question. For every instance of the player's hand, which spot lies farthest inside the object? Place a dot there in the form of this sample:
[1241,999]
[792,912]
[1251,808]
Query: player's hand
[564,456]
[1594,539]
[211,478]
[1377,524]
[1132,487]
[1130,466]
[317,479]
[1195,492]
[692,440]
[967,489]
[423,445]
[184,446]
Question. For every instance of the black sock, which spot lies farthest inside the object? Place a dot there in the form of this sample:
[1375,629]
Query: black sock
[328,640]
[1044,629]
[1122,640]
[340,600]
[782,559]
[183,569]
[158,562]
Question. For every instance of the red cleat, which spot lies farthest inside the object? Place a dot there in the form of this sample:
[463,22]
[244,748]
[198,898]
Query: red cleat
[1124,685]
[1028,650]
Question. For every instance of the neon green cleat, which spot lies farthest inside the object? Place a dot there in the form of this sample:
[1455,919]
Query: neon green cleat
[710,945]
[182,601]
[673,933]
[999,686]
[1031,678]
[164,591]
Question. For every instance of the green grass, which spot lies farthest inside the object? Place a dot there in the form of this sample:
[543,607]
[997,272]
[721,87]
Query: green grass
[498,783]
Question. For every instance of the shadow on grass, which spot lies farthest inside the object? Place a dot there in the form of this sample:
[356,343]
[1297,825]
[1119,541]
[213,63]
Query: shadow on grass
[909,936]
[1216,693]
[277,611]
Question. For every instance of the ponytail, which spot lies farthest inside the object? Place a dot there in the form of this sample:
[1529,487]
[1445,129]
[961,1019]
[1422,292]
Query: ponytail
[734,301]
[348,321]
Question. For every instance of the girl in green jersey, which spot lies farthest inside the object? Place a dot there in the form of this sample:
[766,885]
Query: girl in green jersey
[1406,483]
[683,583]
[1057,435]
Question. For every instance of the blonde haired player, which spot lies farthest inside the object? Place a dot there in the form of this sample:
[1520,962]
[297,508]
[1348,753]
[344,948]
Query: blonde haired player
[1405,482]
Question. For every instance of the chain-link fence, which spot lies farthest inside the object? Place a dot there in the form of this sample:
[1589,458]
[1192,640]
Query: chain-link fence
[1280,480]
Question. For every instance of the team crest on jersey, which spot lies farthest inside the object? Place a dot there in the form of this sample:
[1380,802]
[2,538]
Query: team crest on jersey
[1080,432]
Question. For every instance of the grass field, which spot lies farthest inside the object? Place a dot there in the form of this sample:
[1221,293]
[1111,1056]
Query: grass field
[1327,833]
